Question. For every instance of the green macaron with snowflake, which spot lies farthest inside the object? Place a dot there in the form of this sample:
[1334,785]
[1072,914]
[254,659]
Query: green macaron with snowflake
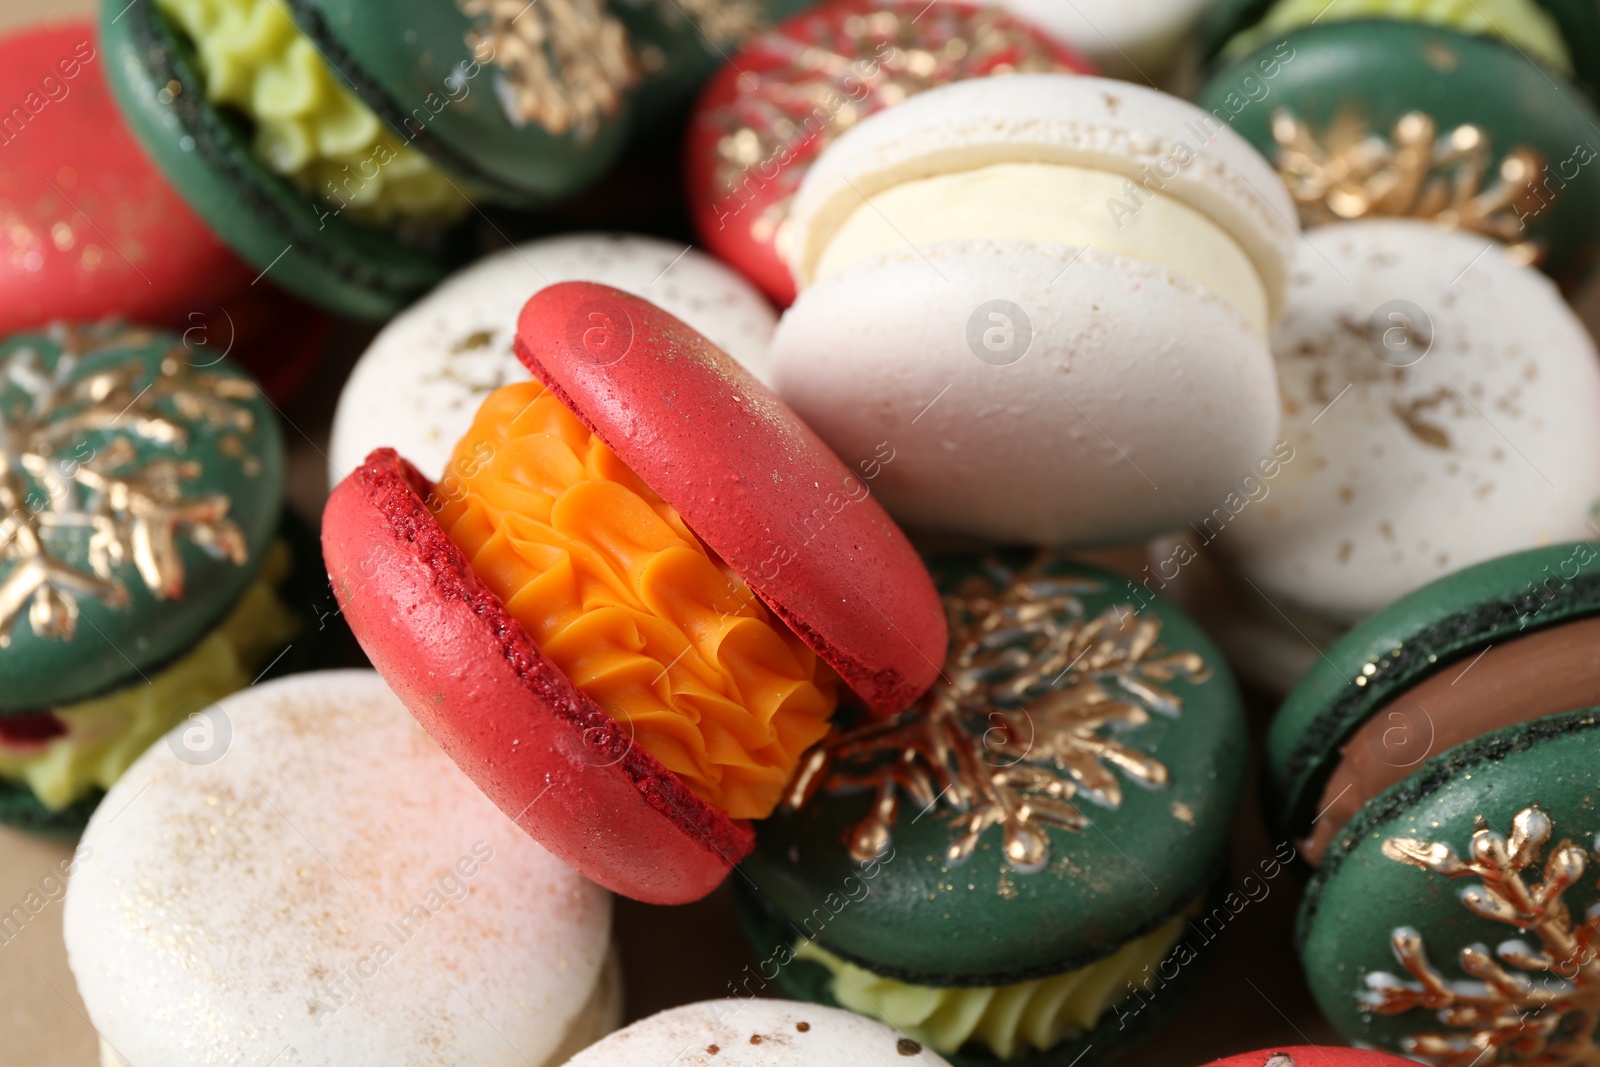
[141,569]
[1008,871]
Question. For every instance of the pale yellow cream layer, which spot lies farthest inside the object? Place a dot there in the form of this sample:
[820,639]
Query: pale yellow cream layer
[1051,203]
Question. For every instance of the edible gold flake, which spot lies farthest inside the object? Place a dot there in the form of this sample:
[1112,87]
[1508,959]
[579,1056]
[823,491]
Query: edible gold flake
[1502,1016]
[1416,172]
[1013,729]
[102,505]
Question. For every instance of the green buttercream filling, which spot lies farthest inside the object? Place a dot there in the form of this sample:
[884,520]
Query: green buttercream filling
[105,735]
[1010,1020]
[1521,23]
[309,127]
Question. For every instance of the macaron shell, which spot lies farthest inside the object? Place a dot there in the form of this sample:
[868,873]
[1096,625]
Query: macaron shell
[306,247]
[1376,71]
[755,1033]
[1133,39]
[1477,435]
[1053,118]
[1436,628]
[1360,896]
[414,65]
[227,902]
[1311,1056]
[1129,402]
[544,752]
[88,228]
[418,385]
[917,916]
[749,478]
[742,159]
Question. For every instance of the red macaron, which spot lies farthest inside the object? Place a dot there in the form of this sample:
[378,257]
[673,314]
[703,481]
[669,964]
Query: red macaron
[1313,1056]
[758,488]
[90,229]
[796,87]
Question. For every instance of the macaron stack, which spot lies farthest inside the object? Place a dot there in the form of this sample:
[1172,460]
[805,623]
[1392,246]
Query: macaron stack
[853,600]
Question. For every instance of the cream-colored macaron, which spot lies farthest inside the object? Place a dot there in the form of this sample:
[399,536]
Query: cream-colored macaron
[419,383]
[1442,407]
[756,1033]
[1048,299]
[1137,39]
[299,875]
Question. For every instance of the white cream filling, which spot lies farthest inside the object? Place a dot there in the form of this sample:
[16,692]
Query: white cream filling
[1052,203]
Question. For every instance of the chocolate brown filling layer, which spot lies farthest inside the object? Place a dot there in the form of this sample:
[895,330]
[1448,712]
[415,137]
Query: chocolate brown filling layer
[1544,673]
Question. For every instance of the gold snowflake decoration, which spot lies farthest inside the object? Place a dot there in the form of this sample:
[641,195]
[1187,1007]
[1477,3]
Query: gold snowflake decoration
[1503,1015]
[1417,172]
[1017,726]
[80,500]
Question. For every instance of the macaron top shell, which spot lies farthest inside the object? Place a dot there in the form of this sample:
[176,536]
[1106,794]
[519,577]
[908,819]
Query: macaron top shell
[1480,864]
[301,869]
[1437,628]
[419,383]
[1311,1056]
[1443,404]
[1109,714]
[749,478]
[755,1033]
[1095,123]
[142,491]
[88,227]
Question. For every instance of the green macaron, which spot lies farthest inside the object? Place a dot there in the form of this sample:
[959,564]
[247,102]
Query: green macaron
[140,563]
[1458,719]
[996,871]
[1411,116]
[344,147]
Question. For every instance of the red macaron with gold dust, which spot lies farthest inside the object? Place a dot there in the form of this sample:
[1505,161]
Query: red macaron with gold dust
[1313,1056]
[796,87]
[627,607]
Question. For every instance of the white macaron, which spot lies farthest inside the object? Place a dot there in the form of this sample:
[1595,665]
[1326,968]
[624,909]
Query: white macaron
[756,1033]
[1123,38]
[1442,407]
[299,875]
[1036,308]
[419,383]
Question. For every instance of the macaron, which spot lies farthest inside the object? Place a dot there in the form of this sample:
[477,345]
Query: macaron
[416,387]
[1048,298]
[1311,1056]
[999,871]
[1441,408]
[627,606]
[140,559]
[1140,40]
[300,873]
[755,1033]
[339,145]
[796,87]
[89,228]
[1463,113]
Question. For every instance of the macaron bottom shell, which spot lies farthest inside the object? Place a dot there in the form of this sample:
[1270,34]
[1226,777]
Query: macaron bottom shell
[998,387]
[1151,997]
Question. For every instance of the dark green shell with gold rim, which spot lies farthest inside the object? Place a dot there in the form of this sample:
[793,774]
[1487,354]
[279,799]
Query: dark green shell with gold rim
[1373,72]
[1446,622]
[1070,692]
[141,484]
[1389,908]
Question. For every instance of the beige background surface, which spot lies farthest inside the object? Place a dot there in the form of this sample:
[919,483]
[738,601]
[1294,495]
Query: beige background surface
[1251,995]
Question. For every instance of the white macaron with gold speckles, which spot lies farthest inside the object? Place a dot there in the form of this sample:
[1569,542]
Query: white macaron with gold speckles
[1048,298]
[756,1032]
[419,383]
[1442,405]
[299,875]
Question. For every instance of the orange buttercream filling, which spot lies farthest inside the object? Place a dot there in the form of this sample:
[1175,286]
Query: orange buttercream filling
[618,593]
